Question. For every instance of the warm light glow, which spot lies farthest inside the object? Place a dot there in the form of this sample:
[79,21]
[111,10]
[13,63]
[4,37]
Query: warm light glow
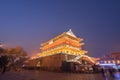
[105,62]
[118,61]
[66,43]
[61,41]
[113,61]
[108,61]
[1,45]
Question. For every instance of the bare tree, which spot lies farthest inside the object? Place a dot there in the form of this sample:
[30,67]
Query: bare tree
[17,51]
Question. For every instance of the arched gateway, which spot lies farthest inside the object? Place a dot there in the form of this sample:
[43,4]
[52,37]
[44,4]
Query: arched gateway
[65,47]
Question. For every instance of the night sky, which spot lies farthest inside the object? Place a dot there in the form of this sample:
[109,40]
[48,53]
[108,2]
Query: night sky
[28,23]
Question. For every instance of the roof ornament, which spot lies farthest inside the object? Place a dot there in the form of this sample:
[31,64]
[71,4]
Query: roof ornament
[70,33]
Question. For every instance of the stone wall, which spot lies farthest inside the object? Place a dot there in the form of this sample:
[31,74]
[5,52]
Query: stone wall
[53,62]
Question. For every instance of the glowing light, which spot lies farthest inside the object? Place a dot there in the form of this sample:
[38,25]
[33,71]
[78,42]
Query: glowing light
[118,61]
[67,43]
[113,61]
[1,45]
[108,61]
[81,56]
[107,64]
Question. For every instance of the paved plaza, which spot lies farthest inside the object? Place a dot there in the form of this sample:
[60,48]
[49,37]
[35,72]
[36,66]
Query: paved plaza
[43,75]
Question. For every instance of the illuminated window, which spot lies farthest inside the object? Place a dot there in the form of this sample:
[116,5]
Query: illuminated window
[113,61]
[105,61]
[118,61]
[108,61]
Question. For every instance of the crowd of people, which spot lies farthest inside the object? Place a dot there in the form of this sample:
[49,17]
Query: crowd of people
[110,72]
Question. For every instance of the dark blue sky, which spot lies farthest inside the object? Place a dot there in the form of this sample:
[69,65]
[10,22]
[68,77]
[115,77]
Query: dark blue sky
[28,23]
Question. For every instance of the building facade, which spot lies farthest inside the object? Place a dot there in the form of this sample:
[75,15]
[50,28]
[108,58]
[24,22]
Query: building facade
[111,61]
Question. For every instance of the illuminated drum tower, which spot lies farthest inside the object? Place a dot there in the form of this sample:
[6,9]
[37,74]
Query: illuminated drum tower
[64,47]
[66,43]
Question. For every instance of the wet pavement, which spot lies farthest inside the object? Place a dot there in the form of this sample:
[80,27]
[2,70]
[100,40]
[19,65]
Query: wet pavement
[44,75]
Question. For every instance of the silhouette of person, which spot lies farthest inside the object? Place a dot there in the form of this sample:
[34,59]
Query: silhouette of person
[103,72]
[3,63]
